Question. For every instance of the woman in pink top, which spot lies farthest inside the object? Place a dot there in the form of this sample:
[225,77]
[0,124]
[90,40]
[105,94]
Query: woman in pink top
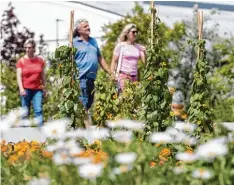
[130,53]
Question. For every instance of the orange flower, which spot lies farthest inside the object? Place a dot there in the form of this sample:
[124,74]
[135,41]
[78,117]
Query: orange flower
[3,148]
[109,116]
[3,142]
[150,78]
[184,116]
[100,157]
[98,142]
[136,83]
[46,154]
[189,151]
[165,152]
[13,158]
[171,90]
[20,153]
[161,163]
[163,158]
[115,96]
[34,143]
[152,164]
[157,145]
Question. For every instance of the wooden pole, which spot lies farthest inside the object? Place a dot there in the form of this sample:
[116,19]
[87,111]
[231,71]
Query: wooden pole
[71,44]
[71,28]
[200,24]
[200,29]
[153,14]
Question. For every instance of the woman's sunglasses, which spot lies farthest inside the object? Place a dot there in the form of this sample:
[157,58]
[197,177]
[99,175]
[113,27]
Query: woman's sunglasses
[134,32]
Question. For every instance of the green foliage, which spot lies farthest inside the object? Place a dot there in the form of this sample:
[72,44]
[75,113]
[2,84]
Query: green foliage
[113,30]
[50,102]
[129,101]
[69,90]
[222,82]
[11,92]
[108,105]
[156,98]
[105,104]
[200,111]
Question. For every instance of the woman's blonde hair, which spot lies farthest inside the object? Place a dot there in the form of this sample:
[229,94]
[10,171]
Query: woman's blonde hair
[30,41]
[123,35]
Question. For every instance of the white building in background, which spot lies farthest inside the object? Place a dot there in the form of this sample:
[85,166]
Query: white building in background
[51,18]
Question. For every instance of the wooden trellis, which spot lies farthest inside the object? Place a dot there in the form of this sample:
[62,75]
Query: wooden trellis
[200,28]
[71,44]
[153,16]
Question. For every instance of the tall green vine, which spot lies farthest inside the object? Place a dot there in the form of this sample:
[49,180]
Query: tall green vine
[69,90]
[200,111]
[156,98]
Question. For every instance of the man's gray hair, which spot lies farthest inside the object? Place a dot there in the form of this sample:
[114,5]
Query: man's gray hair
[77,24]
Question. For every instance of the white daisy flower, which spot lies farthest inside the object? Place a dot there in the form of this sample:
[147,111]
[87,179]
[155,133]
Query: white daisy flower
[51,79]
[179,169]
[184,156]
[230,137]
[122,169]
[61,157]
[70,144]
[202,174]
[3,100]
[219,140]
[39,181]
[177,135]
[90,171]
[25,123]
[81,160]
[228,125]
[126,158]
[56,146]
[128,124]
[161,137]
[12,119]
[75,150]
[19,112]
[189,141]
[78,133]
[183,126]
[211,150]
[6,123]
[122,136]
[173,131]
[55,129]
[93,133]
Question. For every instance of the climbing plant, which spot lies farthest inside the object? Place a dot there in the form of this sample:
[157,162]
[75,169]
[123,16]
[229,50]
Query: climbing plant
[156,97]
[200,111]
[68,90]
[105,104]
